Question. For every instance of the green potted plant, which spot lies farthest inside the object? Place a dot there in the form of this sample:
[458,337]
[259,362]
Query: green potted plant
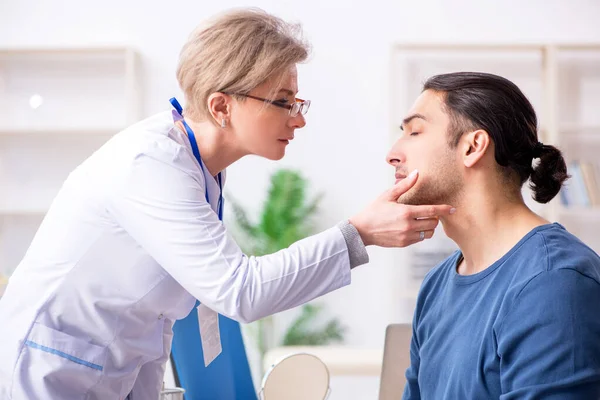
[286,217]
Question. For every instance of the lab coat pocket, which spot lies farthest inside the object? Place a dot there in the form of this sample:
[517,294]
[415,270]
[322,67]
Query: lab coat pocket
[53,364]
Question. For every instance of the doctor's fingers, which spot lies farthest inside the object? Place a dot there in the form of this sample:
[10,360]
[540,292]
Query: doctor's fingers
[419,236]
[423,224]
[431,211]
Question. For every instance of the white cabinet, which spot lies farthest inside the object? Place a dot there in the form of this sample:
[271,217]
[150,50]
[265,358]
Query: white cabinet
[576,130]
[57,106]
[563,84]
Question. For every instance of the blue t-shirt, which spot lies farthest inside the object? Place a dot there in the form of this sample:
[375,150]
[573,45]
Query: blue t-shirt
[527,327]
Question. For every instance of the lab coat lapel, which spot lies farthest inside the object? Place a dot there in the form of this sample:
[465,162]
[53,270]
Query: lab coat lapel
[212,187]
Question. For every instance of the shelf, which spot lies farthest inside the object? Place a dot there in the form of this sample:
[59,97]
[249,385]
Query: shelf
[23,212]
[573,134]
[66,53]
[60,131]
[495,46]
[589,213]
[47,130]
[577,129]
[40,51]
[568,140]
[43,87]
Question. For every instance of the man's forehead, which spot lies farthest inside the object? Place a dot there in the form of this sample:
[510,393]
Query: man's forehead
[426,107]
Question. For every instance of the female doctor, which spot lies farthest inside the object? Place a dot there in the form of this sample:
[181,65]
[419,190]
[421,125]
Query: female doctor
[135,236]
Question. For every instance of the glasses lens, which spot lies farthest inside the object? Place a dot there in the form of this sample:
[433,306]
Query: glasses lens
[296,107]
[304,106]
[299,106]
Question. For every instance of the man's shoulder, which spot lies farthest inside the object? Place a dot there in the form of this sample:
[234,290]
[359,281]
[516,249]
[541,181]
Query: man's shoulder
[563,250]
[547,248]
[554,266]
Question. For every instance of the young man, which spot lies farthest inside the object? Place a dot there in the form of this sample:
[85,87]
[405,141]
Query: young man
[514,313]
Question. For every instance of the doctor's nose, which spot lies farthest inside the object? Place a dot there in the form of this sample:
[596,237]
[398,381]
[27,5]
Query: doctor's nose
[395,156]
[298,121]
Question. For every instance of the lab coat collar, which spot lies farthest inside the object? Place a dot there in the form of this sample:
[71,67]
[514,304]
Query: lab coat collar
[211,182]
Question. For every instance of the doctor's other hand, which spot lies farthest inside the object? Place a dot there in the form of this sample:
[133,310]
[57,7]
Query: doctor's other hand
[387,223]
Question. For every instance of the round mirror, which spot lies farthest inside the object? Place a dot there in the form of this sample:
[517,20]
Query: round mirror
[172,394]
[298,376]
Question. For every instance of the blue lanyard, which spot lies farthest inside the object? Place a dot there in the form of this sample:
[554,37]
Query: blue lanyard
[196,151]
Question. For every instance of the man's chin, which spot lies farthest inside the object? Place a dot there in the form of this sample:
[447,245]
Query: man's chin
[408,200]
[412,199]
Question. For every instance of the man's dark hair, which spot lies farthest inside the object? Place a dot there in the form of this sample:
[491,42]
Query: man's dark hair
[475,100]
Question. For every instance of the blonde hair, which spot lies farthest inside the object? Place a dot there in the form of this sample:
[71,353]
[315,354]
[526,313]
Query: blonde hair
[235,53]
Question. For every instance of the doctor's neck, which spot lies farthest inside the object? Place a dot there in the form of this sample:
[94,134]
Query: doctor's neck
[217,147]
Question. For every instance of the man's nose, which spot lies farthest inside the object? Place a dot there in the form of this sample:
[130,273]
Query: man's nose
[395,156]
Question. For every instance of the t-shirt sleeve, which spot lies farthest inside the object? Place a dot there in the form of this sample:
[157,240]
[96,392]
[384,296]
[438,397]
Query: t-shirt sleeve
[411,389]
[549,342]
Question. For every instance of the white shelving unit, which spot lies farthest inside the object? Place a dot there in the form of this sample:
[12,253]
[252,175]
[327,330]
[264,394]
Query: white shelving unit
[561,81]
[57,106]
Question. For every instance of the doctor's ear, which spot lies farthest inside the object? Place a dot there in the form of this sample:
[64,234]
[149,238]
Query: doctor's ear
[474,146]
[219,106]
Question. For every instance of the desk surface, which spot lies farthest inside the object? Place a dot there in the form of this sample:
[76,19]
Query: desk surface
[340,360]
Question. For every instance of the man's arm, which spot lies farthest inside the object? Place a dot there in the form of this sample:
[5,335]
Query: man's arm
[411,390]
[549,342]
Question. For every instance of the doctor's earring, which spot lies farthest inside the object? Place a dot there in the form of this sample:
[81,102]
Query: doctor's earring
[223,123]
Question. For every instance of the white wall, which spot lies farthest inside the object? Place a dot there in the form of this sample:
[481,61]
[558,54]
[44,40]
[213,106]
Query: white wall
[342,149]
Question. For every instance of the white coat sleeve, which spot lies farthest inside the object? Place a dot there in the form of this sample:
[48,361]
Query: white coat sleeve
[164,209]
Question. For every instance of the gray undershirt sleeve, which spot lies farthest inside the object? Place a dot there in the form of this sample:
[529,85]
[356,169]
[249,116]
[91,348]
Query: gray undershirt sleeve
[357,251]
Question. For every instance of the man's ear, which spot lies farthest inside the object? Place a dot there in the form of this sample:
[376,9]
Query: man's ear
[474,146]
[219,107]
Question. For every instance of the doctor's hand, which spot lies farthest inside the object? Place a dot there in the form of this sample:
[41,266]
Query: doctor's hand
[387,223]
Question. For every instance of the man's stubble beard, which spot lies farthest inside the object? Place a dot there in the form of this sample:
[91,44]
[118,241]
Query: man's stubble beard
[441,185]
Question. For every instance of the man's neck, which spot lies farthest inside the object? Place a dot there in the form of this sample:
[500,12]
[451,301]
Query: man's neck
[487,228]
[217,149]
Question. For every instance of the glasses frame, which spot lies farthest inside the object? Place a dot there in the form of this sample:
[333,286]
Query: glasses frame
[299,106]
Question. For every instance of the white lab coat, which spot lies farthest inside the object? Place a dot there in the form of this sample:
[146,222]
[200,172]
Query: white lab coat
[126,248]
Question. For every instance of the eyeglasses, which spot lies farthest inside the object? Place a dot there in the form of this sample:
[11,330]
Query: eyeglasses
[299,106]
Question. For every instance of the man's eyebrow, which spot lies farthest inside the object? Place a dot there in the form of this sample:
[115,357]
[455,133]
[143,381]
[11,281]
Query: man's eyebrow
[410,118]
